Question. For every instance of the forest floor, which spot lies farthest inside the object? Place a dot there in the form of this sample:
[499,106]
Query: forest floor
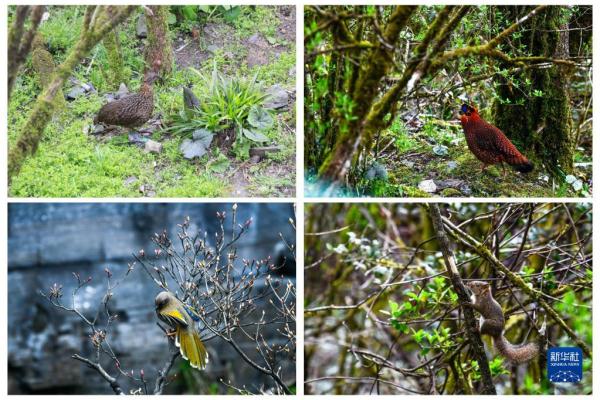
[71,162]
[428,157]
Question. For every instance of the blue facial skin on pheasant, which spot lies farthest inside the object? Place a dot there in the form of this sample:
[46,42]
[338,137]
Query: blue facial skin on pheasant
[489,144]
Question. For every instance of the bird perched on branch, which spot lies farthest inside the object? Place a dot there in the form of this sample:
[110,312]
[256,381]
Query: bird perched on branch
[130,111]
[183,320]
[489,144]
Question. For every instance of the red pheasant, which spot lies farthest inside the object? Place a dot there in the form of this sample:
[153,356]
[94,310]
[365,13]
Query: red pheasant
[489,144]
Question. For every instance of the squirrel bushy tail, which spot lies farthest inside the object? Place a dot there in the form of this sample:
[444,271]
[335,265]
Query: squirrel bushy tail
[514,353]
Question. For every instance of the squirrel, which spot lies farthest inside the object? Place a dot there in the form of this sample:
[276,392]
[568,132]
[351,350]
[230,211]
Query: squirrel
[492,323]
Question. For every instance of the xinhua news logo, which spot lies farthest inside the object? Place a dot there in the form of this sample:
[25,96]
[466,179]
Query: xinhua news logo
[565,364]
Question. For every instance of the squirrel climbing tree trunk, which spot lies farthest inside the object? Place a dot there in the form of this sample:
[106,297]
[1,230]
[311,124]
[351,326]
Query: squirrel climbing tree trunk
[538,117]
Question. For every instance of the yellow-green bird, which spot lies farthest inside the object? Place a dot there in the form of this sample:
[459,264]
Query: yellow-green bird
[183,319]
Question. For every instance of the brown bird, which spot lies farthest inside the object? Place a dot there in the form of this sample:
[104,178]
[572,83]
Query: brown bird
[489,144]
[130,111]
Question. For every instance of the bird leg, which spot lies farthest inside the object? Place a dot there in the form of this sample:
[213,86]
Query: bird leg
[503,170]
[483,167]
[171,333]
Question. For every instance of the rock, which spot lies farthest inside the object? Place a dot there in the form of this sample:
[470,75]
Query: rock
[136,138]
[152,146]
[261,152]
[192,149]
[259,52]
[440,150]
[428,186]
[141,30]
[190,100]
[147,190]
[453,187]
[446,183]
[255,39]
[75,92]
[130,180]
[255,159]
[407,163]
[122,91]
[212,48]
[98,129]
[451,192]
[451,165]
[277,98]
[376,171]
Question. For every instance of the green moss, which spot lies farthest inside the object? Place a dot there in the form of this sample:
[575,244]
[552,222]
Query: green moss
[115,74]
[265,185]
[253,19]
[404,180]
[450,192]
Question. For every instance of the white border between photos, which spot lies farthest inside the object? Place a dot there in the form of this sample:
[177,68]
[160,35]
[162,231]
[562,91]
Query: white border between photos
[299,198]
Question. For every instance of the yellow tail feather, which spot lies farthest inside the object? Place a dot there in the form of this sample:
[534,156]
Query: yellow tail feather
[192,348]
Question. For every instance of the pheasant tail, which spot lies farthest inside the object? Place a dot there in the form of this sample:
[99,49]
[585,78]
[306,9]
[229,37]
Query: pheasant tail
[514,157]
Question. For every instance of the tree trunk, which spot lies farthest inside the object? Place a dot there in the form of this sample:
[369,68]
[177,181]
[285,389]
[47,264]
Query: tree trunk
[159,47]
[541,125]
[43,65]
[116,72]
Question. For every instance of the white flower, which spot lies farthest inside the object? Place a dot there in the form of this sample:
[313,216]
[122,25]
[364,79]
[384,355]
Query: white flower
[340,249]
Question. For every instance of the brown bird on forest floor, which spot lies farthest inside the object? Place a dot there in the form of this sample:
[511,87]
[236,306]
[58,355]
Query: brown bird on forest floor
[489,144]
[132,110]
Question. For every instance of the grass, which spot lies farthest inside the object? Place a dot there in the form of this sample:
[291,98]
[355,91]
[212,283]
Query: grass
[71,163]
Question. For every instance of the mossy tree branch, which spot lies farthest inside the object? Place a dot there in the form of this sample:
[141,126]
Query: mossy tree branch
[374,65]
[19,43]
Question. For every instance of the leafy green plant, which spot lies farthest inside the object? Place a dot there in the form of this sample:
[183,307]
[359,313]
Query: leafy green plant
[193,13]
[226,103]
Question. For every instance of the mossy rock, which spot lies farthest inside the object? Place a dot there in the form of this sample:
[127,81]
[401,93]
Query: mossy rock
[451,192]
[383,189]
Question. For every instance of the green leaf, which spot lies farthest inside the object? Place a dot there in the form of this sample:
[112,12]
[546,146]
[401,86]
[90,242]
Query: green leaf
[171,18]
[204,136]
[254,136]
[260,118]
[419,335]
[219,164]
[189,12]
[232,13]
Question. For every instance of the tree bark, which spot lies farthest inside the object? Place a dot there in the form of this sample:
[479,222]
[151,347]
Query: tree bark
[116,68]
[159,47]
